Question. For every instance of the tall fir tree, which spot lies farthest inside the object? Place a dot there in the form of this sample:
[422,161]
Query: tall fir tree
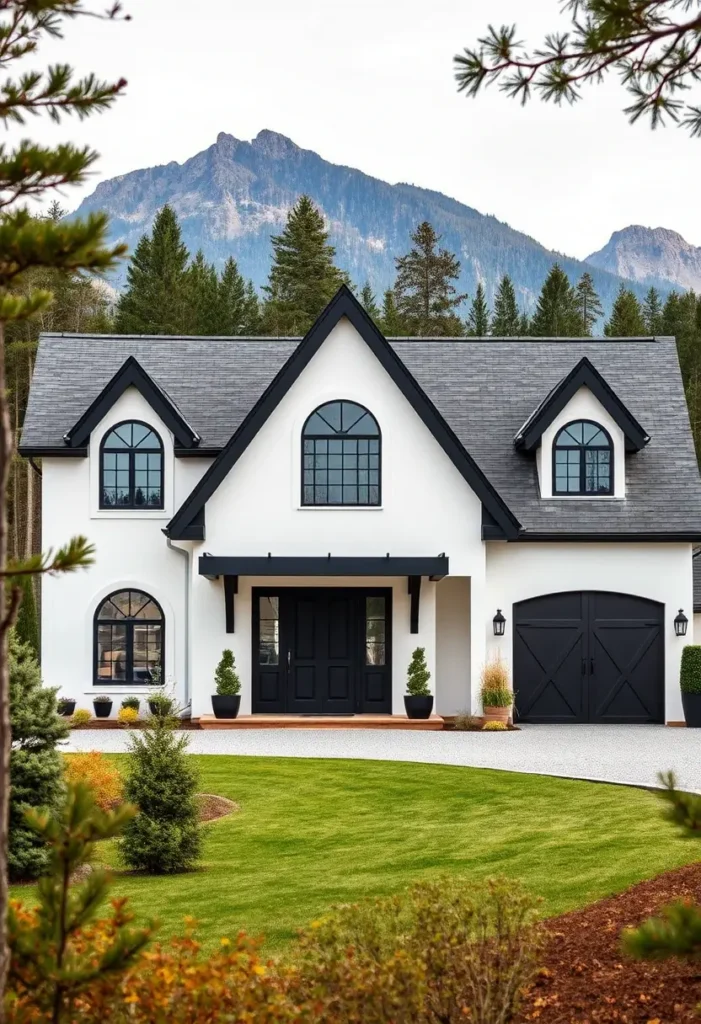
[626,320]
[237,308]
[587,302]
[391,323]
[156,299]
[524,325]
[303,277]
[506,320]
[652,312]
[426,296]
[556,314]
[681,319]
[203,290]
[367,297]
[478,317]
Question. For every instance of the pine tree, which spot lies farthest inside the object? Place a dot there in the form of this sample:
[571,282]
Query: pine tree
[35,763]
[236,303]
[303,277]
[367,297]
[587,302]
[652,312]
[626,320]
[202,287]
[391,323]
[426,297]
[506,321]
[556,314]
[251,323]
[524,325]
[681,319]
[156,299]
[162,781]
[478,317]
[27,625]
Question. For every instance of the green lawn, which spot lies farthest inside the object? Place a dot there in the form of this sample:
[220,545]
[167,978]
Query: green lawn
[314,832]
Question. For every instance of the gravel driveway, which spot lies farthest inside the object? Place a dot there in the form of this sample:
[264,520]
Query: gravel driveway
[631,754]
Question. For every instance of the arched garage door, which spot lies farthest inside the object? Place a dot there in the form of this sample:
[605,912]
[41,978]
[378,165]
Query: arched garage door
[589,657]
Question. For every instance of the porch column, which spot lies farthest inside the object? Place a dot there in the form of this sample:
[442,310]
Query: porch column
[480,618]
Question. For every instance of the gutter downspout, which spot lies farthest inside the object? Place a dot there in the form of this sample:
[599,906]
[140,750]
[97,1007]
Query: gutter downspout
[186,556]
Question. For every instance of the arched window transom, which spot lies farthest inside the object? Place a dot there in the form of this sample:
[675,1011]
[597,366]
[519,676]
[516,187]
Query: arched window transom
[341,456]
[131,467]
[583,459]
[129,627]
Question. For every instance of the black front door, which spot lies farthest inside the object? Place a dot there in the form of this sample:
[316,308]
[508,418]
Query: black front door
[589,657]
[321,651]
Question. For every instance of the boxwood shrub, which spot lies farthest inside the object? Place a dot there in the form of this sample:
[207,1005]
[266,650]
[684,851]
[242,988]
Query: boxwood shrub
[690,678]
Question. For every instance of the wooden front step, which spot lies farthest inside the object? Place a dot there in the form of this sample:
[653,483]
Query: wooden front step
[432,724]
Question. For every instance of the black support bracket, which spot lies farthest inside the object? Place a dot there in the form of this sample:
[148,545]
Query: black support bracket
[231,587]
[414,589]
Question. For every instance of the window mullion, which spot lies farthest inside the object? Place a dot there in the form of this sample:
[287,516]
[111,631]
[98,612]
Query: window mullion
[130,651]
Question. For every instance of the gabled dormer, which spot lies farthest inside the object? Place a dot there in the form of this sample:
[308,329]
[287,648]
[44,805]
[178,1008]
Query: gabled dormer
[580,434]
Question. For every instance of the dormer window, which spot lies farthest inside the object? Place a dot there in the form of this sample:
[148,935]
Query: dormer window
[583,459]
[131,467]
[341,456]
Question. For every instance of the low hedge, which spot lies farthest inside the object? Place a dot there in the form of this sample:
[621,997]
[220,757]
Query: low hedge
[690,676]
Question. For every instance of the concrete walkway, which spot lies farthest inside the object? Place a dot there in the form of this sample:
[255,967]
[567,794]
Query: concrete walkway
[629,754]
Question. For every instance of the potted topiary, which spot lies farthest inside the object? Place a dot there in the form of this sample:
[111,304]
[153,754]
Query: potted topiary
[227,700]
[102,705]
[495,691]
[419,699]
[65,706]
[690,682]
[131,702]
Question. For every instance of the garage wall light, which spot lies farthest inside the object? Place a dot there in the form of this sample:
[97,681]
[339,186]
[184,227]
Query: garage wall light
[499,623]
[680,623]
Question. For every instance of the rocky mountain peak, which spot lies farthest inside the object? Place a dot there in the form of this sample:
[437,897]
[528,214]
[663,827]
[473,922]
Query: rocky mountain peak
[655,256]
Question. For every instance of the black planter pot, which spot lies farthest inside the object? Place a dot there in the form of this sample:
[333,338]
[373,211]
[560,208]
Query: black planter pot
[66,708]
[691,703]
[418,707]
[103,708]
[226,706]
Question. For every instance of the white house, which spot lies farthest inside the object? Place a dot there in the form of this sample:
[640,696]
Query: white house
[324,506]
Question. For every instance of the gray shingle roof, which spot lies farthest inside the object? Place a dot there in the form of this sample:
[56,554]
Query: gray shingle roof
[484,389]
[696,563]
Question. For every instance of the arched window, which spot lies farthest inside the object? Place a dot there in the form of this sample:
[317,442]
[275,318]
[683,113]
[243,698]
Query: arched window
[129,628]
[583,459]
[341,456]
[131,467]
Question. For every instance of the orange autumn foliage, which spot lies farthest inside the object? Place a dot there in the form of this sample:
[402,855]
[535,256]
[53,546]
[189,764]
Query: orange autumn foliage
[103,778]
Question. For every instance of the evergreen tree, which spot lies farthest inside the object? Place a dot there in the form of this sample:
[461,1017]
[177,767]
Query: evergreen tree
[681,319]
[391,323]
[652,312]
[367,297]
[157,298]
[424,291]
[418,674]
[587,302]
[626,319]
[524,325]
[303,277]
[478,317]
[162,781]
[236,303]
[27,625]
[35,763]
[506,322]
[251,324]
[203,292]
[556,314]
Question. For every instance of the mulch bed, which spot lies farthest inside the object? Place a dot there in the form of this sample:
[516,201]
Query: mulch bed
[586,978]
[211,807]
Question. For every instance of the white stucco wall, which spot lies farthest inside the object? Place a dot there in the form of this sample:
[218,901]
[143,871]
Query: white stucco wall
[427,508]
[696,635]
[582,406]
[453,650]
[660,572]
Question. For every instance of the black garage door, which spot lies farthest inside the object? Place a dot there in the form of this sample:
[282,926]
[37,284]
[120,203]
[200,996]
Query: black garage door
[589,657]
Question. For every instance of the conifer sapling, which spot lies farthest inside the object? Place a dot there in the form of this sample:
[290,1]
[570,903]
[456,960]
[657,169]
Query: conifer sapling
[418,674]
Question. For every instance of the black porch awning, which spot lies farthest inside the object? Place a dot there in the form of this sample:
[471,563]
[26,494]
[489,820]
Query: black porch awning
[333,565]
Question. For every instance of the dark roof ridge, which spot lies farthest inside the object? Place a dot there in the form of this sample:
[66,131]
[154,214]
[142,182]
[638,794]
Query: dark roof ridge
[485,339]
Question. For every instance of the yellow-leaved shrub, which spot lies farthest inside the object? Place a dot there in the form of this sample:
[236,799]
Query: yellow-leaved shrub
[95,770]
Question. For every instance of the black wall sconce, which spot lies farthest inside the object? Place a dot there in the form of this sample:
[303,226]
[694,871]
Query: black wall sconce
[499,623]
[680,623]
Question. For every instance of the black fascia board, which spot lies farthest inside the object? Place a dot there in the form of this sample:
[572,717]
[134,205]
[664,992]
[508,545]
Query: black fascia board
[49,452]
[681,537]
[132,374]
[584,374]
[343,304]
[331,565]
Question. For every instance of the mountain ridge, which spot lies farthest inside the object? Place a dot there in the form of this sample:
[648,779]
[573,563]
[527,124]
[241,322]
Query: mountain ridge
[658,257]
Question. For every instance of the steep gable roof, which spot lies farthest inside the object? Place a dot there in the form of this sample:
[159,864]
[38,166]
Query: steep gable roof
[188,522]
[132,374]
[584,374]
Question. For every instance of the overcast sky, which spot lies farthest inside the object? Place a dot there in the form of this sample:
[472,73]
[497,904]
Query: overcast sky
[370,84]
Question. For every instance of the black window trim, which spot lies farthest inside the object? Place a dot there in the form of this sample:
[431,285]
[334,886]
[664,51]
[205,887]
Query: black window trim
[335,437]
[582,492]
[132,507]
[129,646]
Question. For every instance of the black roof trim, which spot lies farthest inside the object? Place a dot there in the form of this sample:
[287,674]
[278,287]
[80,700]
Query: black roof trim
[46,451]
[132,374]
[583,374]
[671,537]
[331,565]
[343,304]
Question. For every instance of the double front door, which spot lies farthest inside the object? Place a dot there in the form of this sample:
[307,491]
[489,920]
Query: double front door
[322,651]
